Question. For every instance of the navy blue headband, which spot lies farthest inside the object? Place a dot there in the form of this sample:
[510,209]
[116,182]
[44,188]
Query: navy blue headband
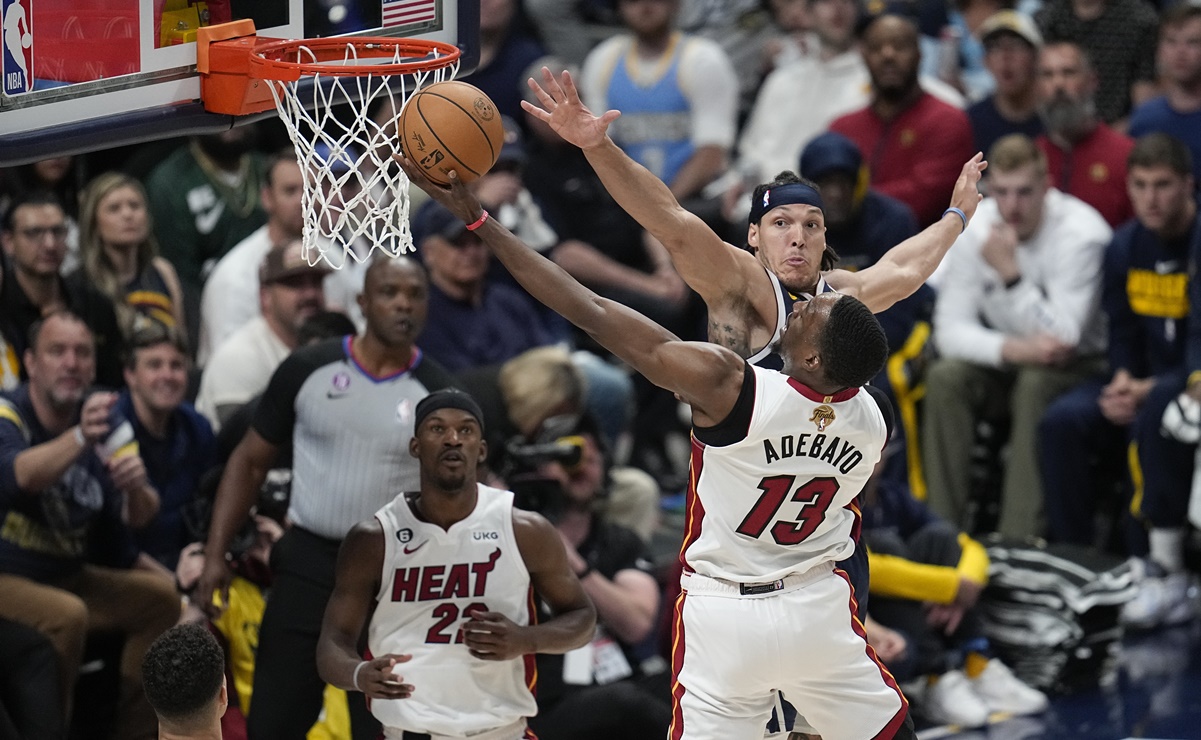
[782,195]
[447,398]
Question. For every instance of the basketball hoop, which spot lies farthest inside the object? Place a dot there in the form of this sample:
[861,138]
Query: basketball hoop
[356,199]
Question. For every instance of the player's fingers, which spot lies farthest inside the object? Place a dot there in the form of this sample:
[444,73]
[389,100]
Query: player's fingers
[540,92]
[535,111]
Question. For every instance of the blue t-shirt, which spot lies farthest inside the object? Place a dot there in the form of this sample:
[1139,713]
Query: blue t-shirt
[49,535]
[988,125]
[174,465]
[1156,115]
[460,335]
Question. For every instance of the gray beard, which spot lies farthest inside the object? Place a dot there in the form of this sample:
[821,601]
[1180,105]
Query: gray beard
[1069,119]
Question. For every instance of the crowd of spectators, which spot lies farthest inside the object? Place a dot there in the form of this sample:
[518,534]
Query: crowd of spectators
[142,314]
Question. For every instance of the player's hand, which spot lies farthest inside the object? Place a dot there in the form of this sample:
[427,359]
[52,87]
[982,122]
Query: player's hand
[966,195]
[493,636]
[379,679]
[565,113]
[214,579]
[93,417]
[456,197]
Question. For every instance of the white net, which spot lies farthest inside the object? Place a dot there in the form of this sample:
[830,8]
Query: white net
[356,198]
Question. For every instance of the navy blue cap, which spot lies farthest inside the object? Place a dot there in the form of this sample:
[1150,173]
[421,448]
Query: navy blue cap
[830,152]
[513,149]
[433,219]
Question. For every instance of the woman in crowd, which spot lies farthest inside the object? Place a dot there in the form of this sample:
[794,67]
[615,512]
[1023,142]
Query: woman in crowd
[120,256]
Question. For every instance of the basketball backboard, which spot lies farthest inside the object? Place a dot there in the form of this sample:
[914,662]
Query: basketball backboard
[82,75]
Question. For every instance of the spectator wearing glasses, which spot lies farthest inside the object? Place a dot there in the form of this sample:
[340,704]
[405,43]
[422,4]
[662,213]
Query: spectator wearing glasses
[34,237]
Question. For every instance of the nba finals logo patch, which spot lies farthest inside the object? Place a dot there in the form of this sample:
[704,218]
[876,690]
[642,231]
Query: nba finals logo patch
[17,64]
[823,416]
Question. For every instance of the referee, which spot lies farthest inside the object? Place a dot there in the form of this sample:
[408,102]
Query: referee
[346,406]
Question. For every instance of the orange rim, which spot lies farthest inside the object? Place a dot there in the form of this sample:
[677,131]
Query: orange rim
[269,61]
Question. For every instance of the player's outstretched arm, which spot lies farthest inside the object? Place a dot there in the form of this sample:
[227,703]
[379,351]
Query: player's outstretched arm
[493,636]
[711,267]
[706,376]
[904,268]
[356,583]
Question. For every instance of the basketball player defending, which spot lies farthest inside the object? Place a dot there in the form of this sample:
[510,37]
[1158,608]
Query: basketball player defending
[749,294]
[445,575]
[777,459]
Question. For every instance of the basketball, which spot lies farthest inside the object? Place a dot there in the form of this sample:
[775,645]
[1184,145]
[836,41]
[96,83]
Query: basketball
[451,126]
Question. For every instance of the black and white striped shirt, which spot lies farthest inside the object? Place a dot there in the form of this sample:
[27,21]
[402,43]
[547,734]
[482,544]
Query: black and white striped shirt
[349,430]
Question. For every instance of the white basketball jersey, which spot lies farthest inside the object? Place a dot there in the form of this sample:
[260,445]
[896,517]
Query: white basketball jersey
[433,580]
[780,500]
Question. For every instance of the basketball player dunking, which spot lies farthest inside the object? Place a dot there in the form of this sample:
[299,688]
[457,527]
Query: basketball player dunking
[750,293]
[762,607]
[445,576]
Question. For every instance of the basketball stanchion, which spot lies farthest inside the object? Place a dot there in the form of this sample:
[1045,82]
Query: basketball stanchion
[356,199]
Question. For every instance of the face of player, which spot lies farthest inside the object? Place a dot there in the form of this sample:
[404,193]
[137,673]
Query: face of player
[647,17]
[789,241]
[462,263]
[159,377]
[394,301]
[449,445]
[834,22]
[282,198]
[892,55]
[1012,63]
[800,342]
[1020,195]
[64,363]
[1179,53]
[1161,198]
[38,241]
[122,218]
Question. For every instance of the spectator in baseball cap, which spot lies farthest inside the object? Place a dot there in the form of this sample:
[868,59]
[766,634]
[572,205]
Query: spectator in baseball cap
[1011,43]
[291,291]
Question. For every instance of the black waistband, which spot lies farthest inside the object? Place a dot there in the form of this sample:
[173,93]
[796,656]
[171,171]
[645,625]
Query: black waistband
[406,735]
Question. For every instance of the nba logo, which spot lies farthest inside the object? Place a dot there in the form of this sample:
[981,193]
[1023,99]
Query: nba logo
[17,64]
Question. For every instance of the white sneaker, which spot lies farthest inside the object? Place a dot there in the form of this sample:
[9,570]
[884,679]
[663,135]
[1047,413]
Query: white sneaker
[1161,600]
[1001,691]
[951,701]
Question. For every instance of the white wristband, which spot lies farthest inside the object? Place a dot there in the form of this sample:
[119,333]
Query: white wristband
[355,678]
[79,438]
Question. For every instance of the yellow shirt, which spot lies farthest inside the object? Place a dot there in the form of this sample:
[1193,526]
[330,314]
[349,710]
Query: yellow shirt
[239,624]
[897,577]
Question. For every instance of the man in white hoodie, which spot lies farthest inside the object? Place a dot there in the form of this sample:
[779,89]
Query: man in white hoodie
[1017,323]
